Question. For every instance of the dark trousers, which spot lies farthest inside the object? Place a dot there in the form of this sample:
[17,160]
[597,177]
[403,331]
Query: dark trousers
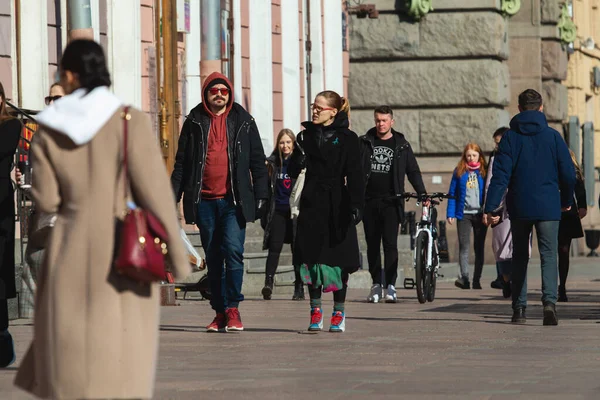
[464,226]
[3,315]
[281,224]
[547,235]
[339,296]
[381,223]
[564,248]
[222,232]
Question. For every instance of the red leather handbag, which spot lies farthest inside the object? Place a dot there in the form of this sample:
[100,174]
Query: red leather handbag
[141,237]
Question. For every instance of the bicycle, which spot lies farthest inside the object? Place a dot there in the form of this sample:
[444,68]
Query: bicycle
[426,254]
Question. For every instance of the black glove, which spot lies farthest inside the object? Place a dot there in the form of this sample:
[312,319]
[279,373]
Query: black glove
[261,207]
[356,216]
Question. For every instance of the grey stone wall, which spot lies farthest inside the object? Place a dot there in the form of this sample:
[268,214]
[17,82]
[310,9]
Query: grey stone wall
[440,131]
[446,77]
[438,35]
[454,76]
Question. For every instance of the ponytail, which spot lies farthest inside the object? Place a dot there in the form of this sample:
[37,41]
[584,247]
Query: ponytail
[335,100]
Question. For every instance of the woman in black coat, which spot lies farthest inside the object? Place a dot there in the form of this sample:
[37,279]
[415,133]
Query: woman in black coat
[570,228]
[10,132]
[331,204]
[277,221]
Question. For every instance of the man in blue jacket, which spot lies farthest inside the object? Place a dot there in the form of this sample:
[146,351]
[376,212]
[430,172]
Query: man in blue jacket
[533,162]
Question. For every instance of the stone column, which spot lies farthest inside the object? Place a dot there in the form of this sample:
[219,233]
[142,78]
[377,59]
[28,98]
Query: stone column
[554,66]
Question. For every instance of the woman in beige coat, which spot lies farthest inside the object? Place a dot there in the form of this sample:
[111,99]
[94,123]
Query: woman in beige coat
[95,332]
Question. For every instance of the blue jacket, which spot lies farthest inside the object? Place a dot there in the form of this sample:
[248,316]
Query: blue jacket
[534,163]
[458,189]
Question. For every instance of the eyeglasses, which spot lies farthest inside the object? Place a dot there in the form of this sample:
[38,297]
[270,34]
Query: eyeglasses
[50,99]
[319,110]
[214,90]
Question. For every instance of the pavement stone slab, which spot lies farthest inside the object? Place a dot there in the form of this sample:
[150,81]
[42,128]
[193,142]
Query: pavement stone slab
[461,346]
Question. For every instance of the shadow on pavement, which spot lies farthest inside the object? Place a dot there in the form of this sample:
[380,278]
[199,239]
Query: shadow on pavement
[198,328]
[534,311]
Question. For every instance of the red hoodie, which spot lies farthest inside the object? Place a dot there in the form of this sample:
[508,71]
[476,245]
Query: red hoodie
[215,181]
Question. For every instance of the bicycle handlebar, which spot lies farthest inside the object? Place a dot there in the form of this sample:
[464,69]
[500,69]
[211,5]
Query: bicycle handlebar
[430,196]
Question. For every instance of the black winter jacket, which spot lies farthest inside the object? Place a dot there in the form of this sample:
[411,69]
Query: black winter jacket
[247,169]
[405,165]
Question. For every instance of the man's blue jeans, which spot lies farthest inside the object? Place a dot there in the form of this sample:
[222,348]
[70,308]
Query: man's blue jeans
[222,232]
[547,235]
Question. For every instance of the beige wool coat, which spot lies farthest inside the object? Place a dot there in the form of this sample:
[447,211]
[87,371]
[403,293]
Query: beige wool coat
[95,332]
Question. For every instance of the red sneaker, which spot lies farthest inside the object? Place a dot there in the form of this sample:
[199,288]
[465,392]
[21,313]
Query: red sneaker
[234,321]
[218,325]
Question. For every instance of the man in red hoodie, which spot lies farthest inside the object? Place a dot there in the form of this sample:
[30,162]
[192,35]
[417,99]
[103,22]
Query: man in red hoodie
[220,171]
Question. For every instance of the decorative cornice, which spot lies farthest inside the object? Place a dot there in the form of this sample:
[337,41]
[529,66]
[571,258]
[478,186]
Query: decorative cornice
[418,8]
[510,7]
[566,26]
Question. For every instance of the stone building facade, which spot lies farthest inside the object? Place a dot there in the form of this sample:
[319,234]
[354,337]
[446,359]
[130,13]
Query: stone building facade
[452,74]
[264,47]
[583,85]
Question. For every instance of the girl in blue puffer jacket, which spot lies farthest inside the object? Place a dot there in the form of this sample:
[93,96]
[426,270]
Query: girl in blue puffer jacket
[467,188]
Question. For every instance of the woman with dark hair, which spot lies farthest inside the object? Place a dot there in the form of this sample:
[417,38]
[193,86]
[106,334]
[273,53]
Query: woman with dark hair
[331,204]
[570,228]
[95,331]
[10,132]
[278,222]
[501,235]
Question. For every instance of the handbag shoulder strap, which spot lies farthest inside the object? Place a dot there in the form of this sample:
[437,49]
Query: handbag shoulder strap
[126,116]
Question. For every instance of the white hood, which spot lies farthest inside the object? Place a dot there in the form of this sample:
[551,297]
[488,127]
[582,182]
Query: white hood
[79,115]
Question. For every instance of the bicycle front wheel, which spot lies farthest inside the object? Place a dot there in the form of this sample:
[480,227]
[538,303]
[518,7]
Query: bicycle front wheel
[422,278]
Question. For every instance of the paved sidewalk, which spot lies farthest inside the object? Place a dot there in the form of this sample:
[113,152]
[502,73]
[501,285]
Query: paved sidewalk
[461,346]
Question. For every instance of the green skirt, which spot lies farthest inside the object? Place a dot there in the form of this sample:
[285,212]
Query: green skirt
[321,275]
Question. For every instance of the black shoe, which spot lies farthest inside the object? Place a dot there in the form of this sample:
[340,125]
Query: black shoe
[506,289]
[562,294]
[476,284]
[462,283]
[7,349]
[267,291]
[519,316]
[497,284]
[298,291]
[550,314]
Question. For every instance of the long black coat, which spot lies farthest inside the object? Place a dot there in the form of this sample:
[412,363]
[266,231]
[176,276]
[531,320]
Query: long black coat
[333,187]
[10,132]
[246,157]
[570,223]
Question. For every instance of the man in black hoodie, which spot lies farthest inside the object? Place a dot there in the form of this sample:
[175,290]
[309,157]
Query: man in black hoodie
[220,172]
[387,159]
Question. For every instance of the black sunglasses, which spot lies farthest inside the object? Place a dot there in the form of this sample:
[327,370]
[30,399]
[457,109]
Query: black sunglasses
[50,99]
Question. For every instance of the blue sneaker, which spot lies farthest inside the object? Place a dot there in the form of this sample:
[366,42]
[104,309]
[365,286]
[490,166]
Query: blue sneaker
[316,320]
[338,322]
[7,349]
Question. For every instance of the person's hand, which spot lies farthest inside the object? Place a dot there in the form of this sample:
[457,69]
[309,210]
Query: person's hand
[450,220]
[261,206]
[18,176]
[485,220]
[564,209]
[356,216]
[179,211]
[492,220]
[582,213]
[426,203]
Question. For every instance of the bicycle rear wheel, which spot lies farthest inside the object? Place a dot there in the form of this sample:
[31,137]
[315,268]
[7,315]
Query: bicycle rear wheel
[422,278]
